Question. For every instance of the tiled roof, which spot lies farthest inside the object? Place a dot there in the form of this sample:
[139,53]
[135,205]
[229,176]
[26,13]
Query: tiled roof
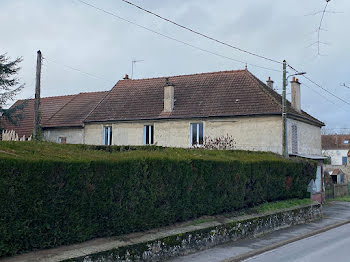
[330,142]
[25,125]
[58,111]
[75,111]
[218,94]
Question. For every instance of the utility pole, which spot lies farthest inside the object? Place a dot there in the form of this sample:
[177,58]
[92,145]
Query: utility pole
[36,131]
[284,112]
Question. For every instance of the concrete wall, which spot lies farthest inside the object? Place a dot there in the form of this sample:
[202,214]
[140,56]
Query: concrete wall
[341,190]
[309,138]
[253,133]
[336,156]
[249,133]
[73,135]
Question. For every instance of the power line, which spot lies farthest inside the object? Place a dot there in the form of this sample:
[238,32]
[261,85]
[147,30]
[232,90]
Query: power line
[344,85]
[78,70]
[174,39]
[208,37]
[318,85]
[201,34]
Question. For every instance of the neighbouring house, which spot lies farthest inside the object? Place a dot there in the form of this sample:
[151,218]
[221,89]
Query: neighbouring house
[338,177]
[336,147]
[61,117]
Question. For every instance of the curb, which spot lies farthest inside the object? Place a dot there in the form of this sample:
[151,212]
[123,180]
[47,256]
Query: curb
[283,243]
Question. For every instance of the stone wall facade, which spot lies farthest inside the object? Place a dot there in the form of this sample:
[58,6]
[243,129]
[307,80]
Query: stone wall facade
[249,133]
[69,135]
[188,242]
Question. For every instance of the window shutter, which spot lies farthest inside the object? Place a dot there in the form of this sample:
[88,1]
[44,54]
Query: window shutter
[103,136]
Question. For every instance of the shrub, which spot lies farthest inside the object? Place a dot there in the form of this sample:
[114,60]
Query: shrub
[47,200]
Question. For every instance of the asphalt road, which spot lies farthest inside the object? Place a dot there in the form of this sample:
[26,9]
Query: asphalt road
[333,245]
[334,212]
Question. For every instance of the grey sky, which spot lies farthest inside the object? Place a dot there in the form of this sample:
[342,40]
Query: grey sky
[70,33]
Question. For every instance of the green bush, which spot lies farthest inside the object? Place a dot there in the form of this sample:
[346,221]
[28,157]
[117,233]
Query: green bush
[53,195]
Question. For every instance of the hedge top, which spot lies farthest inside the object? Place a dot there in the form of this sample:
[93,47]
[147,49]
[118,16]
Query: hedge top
[57,152]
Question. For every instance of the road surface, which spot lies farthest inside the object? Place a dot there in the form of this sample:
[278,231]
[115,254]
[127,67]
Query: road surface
[333,213]
[333,245]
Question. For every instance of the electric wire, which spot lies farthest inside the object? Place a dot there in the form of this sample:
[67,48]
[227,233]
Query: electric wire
[175,39]
[213,39]
[318,85]
[78,70]
[202,34]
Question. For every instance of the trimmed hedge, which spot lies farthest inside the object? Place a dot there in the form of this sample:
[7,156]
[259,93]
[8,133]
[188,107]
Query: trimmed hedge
[47,201]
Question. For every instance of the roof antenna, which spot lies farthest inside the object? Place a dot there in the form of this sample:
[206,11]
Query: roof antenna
[133,62]
[246,66]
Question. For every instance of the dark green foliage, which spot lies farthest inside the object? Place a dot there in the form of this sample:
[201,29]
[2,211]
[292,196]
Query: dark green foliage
[9,88]
[52,195]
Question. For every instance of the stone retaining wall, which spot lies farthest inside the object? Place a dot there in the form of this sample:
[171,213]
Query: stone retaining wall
[188,242]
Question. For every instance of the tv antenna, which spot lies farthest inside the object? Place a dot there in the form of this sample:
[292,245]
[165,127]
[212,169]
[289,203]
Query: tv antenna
[133,62]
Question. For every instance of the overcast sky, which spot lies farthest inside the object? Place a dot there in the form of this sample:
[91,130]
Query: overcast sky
[73,35]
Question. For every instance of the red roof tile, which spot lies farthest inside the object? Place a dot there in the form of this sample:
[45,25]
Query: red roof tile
[330,142]
[75,111]
[25,125]
[59,111]
[218,94]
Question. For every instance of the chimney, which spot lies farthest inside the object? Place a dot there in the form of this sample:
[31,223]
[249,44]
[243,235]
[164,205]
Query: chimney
[269,83]
[168,97]
[296,97]
[126,77]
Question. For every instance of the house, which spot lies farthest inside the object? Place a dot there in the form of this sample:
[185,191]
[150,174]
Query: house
[336,147]
[338,176]
[182,111]
[61,117]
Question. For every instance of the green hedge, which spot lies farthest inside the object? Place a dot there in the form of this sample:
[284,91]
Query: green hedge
[50,202]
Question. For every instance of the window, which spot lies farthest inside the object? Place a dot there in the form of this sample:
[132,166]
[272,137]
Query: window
[196,134]
[148,135]
[346,142]
[107,136]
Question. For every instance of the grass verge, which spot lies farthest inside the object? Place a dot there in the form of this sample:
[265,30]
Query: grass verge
[343,199]
[274,206]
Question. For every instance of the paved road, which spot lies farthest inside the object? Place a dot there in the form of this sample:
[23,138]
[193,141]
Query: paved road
[332,245]
[334,212]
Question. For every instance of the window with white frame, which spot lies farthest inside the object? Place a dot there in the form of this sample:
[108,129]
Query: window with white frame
[148,135]
[107,136]
[196,134]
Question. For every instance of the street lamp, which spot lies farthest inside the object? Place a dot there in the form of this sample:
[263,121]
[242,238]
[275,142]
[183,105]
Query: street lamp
[284,109]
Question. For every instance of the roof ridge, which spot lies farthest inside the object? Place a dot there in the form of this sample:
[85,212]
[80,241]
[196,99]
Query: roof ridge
[74,96]
[93,92]
[204,73]
[107,93]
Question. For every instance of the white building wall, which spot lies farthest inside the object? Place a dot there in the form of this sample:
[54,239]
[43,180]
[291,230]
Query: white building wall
[309,138]
[249,133]
[336,156]
[72,135]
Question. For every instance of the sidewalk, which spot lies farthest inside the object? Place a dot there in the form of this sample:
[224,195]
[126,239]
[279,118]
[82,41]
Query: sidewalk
[334,213]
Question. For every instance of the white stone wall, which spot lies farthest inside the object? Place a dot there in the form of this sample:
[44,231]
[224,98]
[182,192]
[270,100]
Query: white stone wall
[309,138]
[73,135]
[249,133]
[336,156]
